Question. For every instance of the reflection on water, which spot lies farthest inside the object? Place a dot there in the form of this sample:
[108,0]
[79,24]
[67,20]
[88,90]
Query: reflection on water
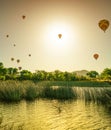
[55,115]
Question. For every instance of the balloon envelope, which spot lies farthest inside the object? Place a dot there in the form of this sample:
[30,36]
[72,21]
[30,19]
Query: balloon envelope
[12,59]
[18,60]
[19,68]
[96,56]
[7,35]
[59,35]
[23,16]
[104,24]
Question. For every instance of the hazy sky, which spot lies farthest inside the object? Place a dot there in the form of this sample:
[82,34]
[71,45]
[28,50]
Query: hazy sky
[37,34]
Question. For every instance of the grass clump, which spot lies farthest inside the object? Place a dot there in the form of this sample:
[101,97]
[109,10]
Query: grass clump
[30,93]
[75,83]
[58,93]
[10,94]
[13,91]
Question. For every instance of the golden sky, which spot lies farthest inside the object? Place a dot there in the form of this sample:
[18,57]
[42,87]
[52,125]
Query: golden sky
[37,34]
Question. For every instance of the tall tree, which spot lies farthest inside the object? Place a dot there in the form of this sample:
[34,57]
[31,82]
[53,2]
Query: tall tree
[92,74]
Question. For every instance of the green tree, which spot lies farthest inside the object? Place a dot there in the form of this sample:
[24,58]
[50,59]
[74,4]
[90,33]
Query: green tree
[11,73]
[39,75]
[92,74]
[58,75]
[25,75]
[1,65]
[106,74]
[3,72]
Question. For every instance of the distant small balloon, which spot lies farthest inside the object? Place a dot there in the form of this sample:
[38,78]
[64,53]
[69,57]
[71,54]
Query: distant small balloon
[29,54]
[18,60]
[12,59]
[96,56]
[14,45]
[60,36]
[20,68]
[23,16]
[7,36]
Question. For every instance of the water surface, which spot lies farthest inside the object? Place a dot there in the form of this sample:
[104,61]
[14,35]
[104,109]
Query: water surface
[55,115]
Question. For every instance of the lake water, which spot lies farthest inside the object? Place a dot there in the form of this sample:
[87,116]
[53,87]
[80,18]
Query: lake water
[54,115]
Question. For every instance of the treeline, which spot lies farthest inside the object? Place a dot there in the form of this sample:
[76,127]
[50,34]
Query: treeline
[41,75]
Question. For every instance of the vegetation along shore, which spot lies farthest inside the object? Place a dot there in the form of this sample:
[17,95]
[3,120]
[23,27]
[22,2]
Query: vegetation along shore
[17,85]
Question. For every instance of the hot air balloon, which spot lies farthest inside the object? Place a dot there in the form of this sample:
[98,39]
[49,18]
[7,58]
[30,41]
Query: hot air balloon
[23,16]
[12,59]
[29,54]
[59,35]
[19,68]
[103,24]
[14,45]
[7,36]
[18,60]
[96,56]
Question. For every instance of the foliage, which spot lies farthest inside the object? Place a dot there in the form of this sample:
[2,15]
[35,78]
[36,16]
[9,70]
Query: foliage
[59,92]
[106,74]
[10,93]
[14,91]
[31,93]
[57,75]
[92,74]
[25,75]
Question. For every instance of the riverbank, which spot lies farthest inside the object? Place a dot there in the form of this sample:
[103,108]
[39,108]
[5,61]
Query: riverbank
[14,91]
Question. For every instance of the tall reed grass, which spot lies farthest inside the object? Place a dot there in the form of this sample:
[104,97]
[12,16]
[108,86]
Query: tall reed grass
[30,93]
[75,83]
[54,92]
[13,91]
[10,92]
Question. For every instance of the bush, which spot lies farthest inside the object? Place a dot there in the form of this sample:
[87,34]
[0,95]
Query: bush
[10,94]
[30,93]
[58,93]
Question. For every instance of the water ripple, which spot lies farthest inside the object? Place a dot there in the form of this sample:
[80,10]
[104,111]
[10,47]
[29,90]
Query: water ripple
[55,115]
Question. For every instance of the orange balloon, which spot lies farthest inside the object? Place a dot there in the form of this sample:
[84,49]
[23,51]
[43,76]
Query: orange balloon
[96,56]
[103,24]
[60,35]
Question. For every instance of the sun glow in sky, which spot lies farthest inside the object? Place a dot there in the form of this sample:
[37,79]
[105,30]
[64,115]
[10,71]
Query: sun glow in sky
[37,34]
[56,44]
